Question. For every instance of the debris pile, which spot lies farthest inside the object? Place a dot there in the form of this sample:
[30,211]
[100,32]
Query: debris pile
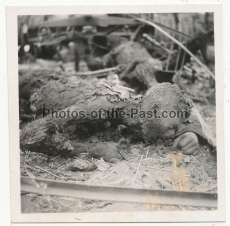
[111,74]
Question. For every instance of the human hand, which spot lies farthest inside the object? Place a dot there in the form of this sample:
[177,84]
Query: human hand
[188,142]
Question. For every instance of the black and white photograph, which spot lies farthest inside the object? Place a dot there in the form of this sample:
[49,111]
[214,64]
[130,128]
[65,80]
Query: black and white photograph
[117,113]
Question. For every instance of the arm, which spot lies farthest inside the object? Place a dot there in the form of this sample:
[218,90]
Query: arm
[193,125]
[189,136]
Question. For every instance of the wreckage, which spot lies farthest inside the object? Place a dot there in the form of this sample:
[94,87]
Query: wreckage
[43,91]
[126,71]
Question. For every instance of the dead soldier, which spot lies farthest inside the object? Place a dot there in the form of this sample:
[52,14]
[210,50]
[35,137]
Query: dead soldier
[102,136]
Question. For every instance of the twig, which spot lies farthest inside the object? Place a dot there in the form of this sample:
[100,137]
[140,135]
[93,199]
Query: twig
[106,176]
[59,209]
[55,157]
[51,165]
[159,208]
[132,165]
[30,167]
[51,173]
[145,184]
[28,154]
[60,167]
[137,169]
[149,159]
[141,182]
[211,188]
[146,156]
[174,164]
[147,152]
[97,72]
[180,185]
[120,179]
[131,160]
[173,187]
[124,174]
[166,170]
[192,208]
[95,176]
[48,198]
[182,208]
[163,183]
[65,174]
[62,204]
